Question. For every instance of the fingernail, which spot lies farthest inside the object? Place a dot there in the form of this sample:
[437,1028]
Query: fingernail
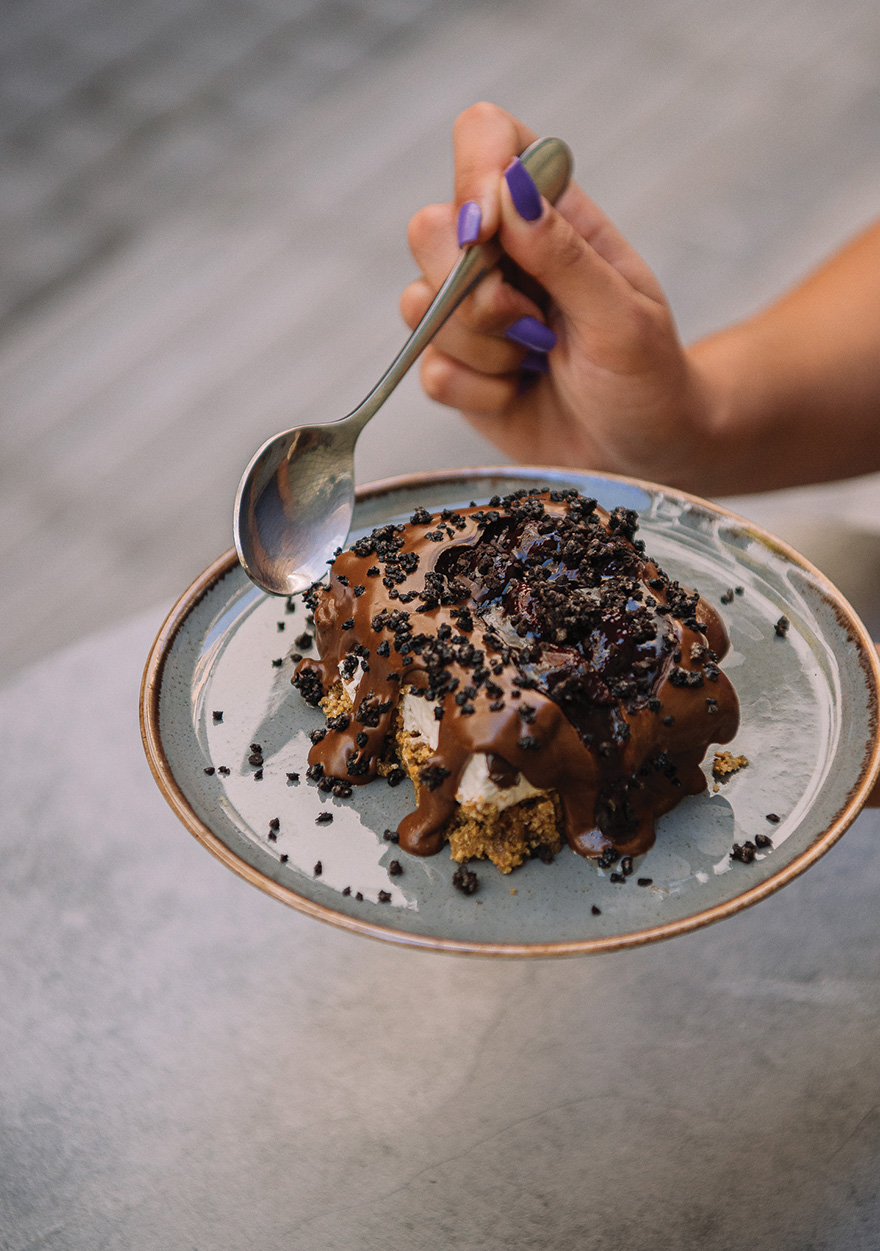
[535,363]
[525,195]
[470,218]
[531,333]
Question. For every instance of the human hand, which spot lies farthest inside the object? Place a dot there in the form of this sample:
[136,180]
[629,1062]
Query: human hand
[619,392]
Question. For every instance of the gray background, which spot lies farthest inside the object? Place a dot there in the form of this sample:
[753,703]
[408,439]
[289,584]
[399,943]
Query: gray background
[202,216]
[203,211]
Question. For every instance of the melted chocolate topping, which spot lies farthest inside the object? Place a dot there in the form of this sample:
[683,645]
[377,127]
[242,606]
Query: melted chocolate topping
[542,637]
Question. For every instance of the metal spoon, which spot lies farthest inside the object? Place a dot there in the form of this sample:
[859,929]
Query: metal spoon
[294,503]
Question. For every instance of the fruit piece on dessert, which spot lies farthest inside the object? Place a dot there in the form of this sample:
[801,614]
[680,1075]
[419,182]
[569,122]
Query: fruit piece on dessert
[535,674]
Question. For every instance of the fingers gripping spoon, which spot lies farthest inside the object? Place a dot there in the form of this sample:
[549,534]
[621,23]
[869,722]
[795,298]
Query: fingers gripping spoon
[294,503]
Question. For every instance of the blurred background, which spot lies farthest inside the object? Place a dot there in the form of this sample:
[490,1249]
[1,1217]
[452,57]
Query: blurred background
[203,206]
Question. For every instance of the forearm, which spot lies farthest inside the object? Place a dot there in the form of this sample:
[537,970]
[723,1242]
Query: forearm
[792,395]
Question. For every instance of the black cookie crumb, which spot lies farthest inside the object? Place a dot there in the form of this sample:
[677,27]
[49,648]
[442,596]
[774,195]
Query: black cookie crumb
[782,627]
[465,880]
[218,717]
[323,818]
[318,869]
[597,912]
[395,869]
[384,896]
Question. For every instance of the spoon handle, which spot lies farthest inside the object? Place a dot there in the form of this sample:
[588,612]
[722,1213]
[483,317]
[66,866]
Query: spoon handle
[549,161]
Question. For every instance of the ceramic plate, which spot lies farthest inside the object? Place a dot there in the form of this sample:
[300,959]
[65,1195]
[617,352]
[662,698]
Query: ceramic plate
[218,680]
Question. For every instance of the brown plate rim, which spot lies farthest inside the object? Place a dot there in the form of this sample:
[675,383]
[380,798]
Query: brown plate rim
[160,766]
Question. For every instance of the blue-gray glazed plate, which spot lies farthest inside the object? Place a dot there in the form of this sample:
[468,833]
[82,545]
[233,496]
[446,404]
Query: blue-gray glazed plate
[218,680]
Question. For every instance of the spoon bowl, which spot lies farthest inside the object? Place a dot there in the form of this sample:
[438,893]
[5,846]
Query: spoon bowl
[295,500]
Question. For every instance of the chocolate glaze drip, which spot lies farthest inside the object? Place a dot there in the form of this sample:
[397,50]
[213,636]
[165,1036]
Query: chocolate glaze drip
[543,638]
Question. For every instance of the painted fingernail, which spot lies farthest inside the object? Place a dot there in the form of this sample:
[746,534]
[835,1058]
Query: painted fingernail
[531,333]
[470,218]
[525,195]
[535,363]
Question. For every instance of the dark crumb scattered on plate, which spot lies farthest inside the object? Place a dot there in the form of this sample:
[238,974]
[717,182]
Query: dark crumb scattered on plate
[284,857]
[318,869]
[390,836]
[773,818]
[645,881]
[346,890]
[258,776]
[745,853]
[224,771]
[292,777]
[763,840]
[782,627]
[465,880]
[323,818]
[384,896]
[359,897]
[395,868]
[210,771]
[218,717]
[596,911]
[618,878]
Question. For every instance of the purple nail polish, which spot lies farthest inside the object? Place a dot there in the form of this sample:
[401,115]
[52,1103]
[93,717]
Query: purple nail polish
[531,333]
[525,195]
[535,363]
[470,218]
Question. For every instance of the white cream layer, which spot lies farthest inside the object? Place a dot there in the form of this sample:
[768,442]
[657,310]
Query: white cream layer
[476,789]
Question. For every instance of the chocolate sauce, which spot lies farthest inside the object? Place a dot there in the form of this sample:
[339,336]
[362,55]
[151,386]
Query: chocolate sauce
[544,639]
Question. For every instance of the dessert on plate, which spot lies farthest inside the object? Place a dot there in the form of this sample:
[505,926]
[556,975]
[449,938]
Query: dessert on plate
[532,671]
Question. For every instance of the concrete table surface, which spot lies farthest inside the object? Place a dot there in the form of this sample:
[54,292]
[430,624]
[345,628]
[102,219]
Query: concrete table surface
[188,1064]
